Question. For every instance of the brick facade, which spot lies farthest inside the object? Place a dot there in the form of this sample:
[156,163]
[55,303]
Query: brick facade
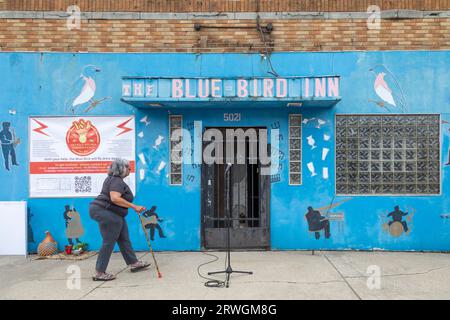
[223,5]
[169,34]
[180,36]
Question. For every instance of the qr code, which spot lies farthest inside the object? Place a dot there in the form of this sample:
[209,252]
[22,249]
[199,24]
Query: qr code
[83,184]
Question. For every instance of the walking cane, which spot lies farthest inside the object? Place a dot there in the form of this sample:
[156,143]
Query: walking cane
[150,247]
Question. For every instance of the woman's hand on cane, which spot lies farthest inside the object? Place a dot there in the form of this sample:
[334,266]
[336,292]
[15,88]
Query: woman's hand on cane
[139,209]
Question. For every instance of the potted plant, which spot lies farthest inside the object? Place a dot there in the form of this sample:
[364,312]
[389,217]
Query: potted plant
[79,248]
[69,249]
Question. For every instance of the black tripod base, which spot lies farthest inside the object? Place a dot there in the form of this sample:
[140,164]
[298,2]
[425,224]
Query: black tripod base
[229,271]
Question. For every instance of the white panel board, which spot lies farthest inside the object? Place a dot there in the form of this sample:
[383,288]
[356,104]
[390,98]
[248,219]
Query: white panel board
[13,228]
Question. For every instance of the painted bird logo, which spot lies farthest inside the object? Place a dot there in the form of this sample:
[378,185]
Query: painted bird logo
[388,89]
[83,90]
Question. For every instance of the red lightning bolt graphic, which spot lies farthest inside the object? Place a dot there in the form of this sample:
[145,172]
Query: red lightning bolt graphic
[42,127]
[125,129]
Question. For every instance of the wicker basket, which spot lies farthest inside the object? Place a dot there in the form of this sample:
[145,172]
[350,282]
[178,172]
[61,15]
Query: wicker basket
[48,246]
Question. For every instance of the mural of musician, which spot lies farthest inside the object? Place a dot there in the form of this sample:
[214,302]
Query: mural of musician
[319,219]
[151,221]
[74,228]
[398,224]
[317,223]
[9,142]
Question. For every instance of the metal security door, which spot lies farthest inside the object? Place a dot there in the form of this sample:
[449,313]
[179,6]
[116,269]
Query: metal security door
[248,194]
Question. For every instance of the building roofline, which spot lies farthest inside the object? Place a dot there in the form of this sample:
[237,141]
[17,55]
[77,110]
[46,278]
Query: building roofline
[387,14]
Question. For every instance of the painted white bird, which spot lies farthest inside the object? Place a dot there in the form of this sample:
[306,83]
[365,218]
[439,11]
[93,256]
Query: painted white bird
[388,88]
[383,90]
[83,90]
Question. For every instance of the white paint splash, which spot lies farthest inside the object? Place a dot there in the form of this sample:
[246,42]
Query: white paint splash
[145,120]
[312,142]
[326,137]
[320,123]
[325,152]
[161,166]
[142,158]
[325,173]
[141,134]
[306,121]
[158,141]
[312,169]
[142,174]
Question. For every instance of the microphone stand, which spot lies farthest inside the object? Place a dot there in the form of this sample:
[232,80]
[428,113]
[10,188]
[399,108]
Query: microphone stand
[229,270]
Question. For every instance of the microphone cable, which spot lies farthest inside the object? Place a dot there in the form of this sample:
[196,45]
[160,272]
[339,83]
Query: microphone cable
[210,283]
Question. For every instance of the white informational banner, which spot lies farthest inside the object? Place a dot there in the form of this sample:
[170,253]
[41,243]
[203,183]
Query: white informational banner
[13,228]
[70,156]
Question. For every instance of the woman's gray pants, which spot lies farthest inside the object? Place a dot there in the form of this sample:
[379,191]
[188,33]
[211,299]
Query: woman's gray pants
[113,228]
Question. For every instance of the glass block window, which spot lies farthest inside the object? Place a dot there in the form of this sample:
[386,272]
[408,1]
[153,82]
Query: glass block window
[176,150]
[295,149]
[388,154]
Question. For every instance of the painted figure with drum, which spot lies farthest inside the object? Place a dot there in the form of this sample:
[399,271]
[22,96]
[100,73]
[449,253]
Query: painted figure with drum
[400,222]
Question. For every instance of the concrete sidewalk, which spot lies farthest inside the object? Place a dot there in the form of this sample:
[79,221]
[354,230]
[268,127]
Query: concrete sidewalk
[277,275]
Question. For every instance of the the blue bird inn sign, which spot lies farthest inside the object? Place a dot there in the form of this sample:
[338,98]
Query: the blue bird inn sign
[291,91]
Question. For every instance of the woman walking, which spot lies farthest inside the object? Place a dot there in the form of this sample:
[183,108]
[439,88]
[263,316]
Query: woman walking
[109,209]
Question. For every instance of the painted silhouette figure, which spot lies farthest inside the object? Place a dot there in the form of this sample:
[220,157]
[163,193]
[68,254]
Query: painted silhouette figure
[30,229]
[151,223]
[74,229]
[397,216]
[8,144]
[317,222]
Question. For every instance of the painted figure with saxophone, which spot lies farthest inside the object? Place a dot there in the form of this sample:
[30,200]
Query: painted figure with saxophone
[9,142]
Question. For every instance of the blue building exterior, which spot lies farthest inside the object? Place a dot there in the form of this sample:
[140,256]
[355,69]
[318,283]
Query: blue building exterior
[38,84]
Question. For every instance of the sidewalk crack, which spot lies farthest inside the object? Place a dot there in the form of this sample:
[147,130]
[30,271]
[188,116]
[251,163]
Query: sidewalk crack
[342,276]
[404,274]
[102,283]
[293,282]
